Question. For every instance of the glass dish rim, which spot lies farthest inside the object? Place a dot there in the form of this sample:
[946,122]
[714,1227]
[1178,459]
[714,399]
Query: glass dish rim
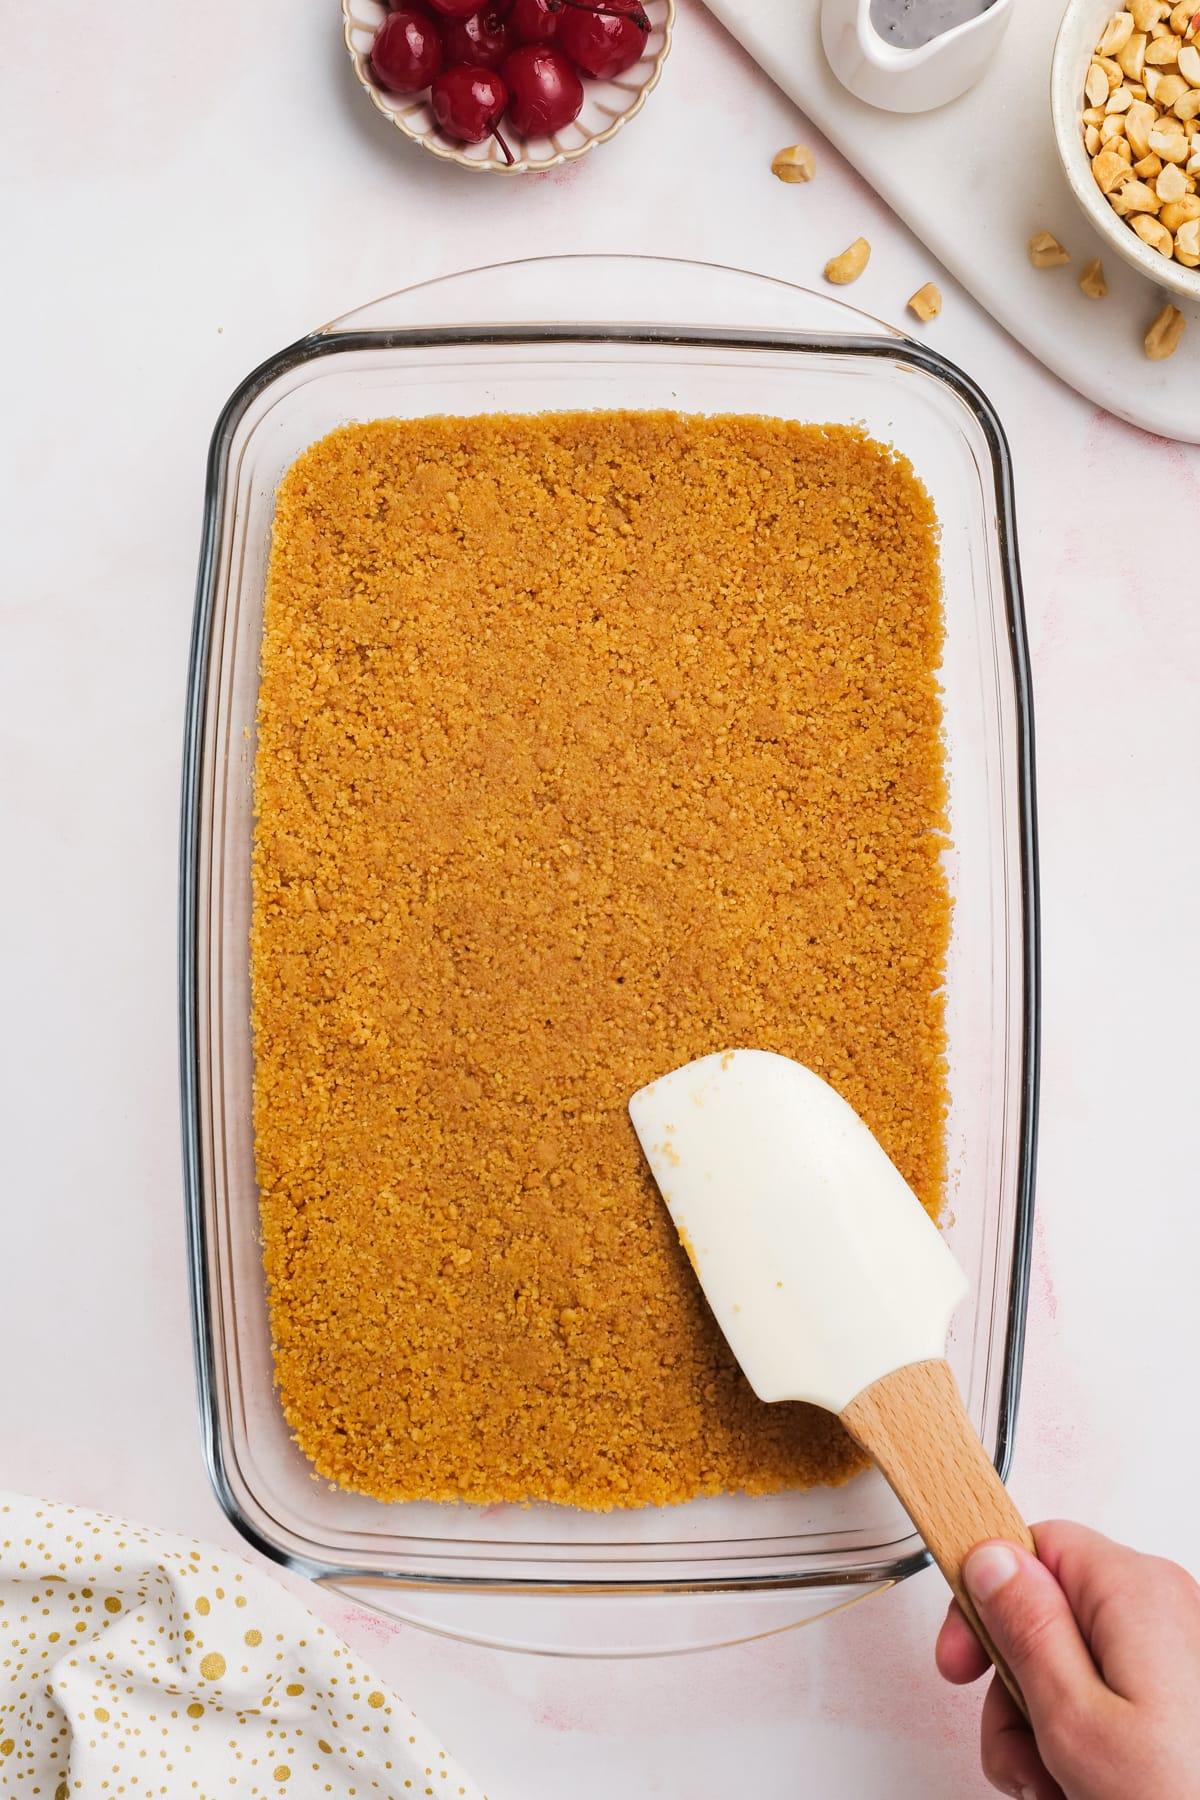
[332,341]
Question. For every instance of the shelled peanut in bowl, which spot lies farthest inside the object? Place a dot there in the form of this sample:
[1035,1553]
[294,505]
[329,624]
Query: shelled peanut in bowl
[1141,123]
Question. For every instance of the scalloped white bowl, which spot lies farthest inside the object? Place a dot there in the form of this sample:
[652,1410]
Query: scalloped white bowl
[607,105]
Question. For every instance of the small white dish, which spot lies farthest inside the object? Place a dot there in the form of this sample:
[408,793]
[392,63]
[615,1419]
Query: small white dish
[909,81]
[607,105]
[1082,24]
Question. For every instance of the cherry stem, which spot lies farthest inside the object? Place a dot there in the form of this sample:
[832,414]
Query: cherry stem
[637,17]
[508,155]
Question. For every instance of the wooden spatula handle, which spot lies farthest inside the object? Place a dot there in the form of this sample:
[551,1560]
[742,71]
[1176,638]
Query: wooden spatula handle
[915,1426]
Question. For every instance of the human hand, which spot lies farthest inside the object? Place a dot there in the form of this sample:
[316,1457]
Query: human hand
[1105,1646]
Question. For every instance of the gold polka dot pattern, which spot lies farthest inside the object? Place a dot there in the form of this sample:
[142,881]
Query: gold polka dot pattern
[129,1667]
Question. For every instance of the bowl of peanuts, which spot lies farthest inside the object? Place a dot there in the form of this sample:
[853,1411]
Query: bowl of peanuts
[1125,96]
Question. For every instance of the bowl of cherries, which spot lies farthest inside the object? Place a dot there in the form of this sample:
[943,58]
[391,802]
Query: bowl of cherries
[508,86]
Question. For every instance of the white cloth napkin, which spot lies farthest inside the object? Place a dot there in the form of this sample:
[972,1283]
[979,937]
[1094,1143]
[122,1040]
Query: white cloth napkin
[137,1663]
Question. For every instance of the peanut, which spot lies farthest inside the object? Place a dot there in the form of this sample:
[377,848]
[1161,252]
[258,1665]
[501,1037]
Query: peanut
[1045,251]
[926,303]
[1169,89]
[1171,183]
[1167,140]
[1187,243]
[1162,339]
[1117,34]
[796,163]
[1109,170]
[1151,232]
[1138,120]
[1096,87]
[1135,197]
[1132,57]
[850,264]
[1092,280]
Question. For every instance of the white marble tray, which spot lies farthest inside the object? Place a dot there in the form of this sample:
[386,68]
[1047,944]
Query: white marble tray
[974,180]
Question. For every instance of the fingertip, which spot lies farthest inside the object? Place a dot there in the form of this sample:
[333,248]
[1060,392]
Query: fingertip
[1009,1752]
[958,1654]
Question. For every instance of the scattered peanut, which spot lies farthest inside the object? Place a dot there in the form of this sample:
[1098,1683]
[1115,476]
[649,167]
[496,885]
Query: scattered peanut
[926,302]
[1092,280]
[1162,339]
[1045,251]
[850,264]
[796,163]
[1140,124]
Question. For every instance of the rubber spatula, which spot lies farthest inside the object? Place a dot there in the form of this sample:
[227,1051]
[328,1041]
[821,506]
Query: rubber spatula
[830,1281]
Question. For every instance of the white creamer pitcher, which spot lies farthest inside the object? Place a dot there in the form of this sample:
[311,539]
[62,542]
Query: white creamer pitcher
[900,80]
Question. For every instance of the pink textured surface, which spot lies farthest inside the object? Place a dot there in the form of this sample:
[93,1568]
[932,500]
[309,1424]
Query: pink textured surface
[156,251]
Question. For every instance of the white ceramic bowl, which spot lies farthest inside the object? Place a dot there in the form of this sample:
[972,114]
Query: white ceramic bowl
[607,105]
[1078,35]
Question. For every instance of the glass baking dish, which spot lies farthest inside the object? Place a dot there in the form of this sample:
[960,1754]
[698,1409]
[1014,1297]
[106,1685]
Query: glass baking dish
[716,1569]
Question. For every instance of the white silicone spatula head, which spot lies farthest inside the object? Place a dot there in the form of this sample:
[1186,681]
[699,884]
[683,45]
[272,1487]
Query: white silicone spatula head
[822,1267]
[830,1281]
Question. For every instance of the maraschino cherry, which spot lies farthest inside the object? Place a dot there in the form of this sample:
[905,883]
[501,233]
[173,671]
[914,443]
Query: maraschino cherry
[545,93]
[603,40]
[454,9]
[482,41]
[534,21]
[407,52]
[468,104]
